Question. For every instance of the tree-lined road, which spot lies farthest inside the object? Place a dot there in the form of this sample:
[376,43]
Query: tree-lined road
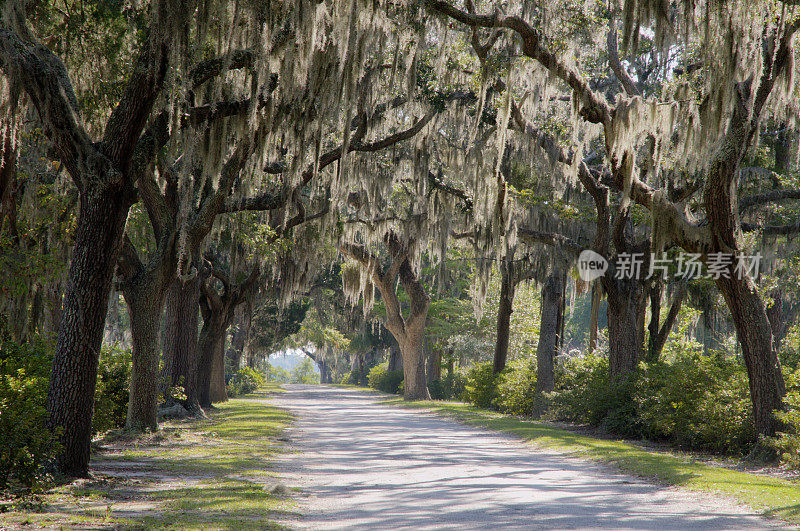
[364,465]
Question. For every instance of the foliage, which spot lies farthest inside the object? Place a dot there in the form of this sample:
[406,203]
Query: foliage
[787,442]
[516,389]
[382,379]
[25,443]
[111,393]
[697,401]
[277,374]
[245,381]
[305,373]
[450,387]
[481,386]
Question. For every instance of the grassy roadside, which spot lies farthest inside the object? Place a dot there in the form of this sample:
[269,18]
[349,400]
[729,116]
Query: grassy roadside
[209,474]
[777,498]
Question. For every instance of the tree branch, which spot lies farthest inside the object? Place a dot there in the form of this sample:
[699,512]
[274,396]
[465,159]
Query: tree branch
[594,110]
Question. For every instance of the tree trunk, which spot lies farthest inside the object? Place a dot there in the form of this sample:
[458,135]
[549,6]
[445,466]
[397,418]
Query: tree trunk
[395,359]
[180,339]
[754,333]
[659,333]
[626,307]
[218,391]
[52,310]
[415,386]
[507,291]
[70,400]
[239,337]
[145,307]
[552,295]
[595,316]
[434,370]
[209,347]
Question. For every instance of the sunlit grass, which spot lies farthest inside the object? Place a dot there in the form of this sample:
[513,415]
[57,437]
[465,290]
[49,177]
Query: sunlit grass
[776,497]
[209,474]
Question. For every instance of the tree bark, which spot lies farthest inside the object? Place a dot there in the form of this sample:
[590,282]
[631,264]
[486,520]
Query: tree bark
[434,370]
[552,295]
[70,399]
[180,340]
[210,347]
[626,308]
[595,316]
[415,385]
[395,359]
[765,378]
[506,307]
[659,333]
[239,336]
[145,307]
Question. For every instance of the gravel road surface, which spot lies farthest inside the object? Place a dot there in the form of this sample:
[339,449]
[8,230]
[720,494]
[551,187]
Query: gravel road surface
[363,465]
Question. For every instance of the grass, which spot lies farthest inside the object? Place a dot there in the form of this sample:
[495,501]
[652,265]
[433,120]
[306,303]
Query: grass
[209,474]
[775,497]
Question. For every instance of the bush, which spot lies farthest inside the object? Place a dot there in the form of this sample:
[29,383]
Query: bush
[25,443]
[516,389]
[481,387]
[111,393]
[450,387]
[787,443]
[696,401]
[305,373]
[246,380]
[380,378]
[277,374]
[583,390]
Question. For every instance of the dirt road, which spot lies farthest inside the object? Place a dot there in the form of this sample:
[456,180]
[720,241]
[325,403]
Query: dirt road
[363,465]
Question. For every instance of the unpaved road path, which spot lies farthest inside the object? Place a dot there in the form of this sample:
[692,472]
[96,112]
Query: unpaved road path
[363,465]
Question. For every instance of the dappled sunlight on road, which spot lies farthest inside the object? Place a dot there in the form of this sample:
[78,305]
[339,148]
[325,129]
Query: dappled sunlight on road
[371,466]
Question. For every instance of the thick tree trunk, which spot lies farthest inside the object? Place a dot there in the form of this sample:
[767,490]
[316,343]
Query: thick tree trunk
[767,387]
[218,391]
[507,290]
[411,346]
[552,295]
[626,308]
[180,339]
[145,307]
[70,400]
[211,343]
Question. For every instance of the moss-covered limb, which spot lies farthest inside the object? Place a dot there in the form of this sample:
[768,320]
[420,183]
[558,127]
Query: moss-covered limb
[776,497]
[214,473]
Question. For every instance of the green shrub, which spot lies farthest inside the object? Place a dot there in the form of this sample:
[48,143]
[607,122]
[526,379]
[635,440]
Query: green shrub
[516,389]
[450,387]
[380,378]
[582,389]
[246,380]
[305,373]
[481,387]
[787,442]
[111,393]
[25,443]
[277,374]
[698,401]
